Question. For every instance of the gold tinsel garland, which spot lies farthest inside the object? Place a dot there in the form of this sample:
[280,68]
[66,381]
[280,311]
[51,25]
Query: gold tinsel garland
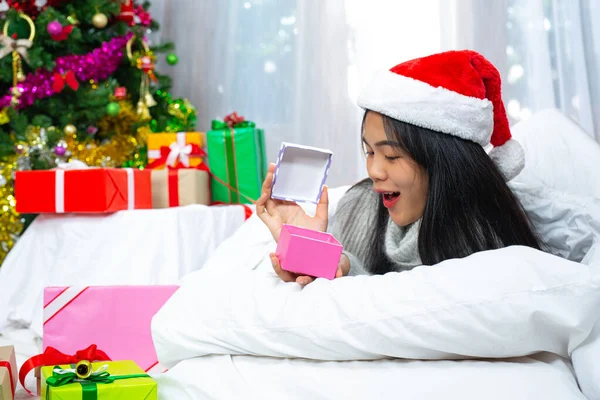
[118,149]
[11,224]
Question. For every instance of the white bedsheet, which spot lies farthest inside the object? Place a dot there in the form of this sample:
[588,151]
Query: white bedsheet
[543,376]
[130,247]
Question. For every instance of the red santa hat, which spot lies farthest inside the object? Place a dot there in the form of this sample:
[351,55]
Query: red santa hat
[455,92]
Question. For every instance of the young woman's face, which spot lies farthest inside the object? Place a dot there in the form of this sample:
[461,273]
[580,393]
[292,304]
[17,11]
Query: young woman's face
[400,181]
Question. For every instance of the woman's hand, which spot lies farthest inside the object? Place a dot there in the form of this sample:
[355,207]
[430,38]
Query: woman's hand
[342,270]
[275,213]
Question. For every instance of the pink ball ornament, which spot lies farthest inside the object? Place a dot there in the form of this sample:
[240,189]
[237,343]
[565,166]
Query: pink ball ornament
[54,28]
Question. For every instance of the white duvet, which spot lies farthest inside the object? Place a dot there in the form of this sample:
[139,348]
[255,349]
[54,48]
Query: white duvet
[234,330]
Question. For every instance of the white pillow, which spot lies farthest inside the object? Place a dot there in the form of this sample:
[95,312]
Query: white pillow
[559,153]
[504,303]
[568,224]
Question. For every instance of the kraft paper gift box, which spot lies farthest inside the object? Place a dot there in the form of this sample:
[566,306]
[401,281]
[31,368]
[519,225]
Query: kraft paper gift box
[130,383]
[182,149]
[85,190]
[300,174]
[115,318]
[237,161]
[180,187]
[8,372]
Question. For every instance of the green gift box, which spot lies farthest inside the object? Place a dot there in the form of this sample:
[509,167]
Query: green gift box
[237,159]
[108,380]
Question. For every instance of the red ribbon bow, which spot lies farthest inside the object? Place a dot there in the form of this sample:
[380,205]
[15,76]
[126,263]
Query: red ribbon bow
[233,119]
[54,357]
[60,80]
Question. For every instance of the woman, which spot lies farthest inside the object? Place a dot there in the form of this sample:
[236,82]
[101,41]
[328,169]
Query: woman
[433,192]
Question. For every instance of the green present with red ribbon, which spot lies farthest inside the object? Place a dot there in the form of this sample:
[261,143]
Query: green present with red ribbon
[237,158]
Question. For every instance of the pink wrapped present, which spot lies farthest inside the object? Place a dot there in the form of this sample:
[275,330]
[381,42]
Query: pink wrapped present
[115,318]
[307,252]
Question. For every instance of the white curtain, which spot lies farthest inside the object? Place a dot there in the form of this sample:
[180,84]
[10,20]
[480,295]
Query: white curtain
[553,54]
[296,66]
[293,66]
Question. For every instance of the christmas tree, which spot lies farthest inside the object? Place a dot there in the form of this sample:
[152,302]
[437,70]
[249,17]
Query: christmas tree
[77,82]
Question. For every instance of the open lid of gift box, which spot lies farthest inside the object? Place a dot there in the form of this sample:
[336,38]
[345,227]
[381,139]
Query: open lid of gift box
[300,173]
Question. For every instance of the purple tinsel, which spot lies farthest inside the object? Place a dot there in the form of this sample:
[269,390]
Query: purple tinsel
[98,65]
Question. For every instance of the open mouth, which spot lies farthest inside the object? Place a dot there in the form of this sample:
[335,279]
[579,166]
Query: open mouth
[390,199]
[391,195]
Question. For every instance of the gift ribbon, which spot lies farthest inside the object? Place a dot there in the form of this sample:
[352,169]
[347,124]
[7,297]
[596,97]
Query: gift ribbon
[7,365]
[19,45]
[173,184]
[130,189]
[176,151]
[89,385]
[220,125]
[52,356]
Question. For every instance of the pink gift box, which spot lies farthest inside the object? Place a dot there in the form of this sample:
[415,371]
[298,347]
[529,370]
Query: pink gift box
[115,318]
[307,252]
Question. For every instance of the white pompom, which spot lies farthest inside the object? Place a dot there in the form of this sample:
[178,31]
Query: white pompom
[509,158]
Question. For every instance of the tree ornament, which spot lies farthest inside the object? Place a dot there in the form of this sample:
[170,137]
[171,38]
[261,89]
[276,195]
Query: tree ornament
[113,109]
[63,34]
[172,59]
[73,19]
[25,6]
[19,50]
[120,93]
[126,14]
[62,80]
[144,61]
[100,20]
[60,149]
[54,28]
[70,129]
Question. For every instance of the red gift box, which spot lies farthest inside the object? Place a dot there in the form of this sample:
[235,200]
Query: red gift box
[88,190]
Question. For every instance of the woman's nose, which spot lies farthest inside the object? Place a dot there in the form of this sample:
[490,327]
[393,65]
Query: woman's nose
[376,172]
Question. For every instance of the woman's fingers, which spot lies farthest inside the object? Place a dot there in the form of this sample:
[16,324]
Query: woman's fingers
[285,276]
[304,280]
[264,199]
[322,211]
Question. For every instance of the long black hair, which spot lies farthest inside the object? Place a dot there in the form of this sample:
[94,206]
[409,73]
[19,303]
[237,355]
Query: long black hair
[469,207]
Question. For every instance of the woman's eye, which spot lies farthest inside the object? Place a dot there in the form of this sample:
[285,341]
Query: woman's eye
[391,158]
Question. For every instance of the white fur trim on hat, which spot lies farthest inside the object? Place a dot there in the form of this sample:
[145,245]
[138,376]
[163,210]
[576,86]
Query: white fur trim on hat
[509,158]
[421,104]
